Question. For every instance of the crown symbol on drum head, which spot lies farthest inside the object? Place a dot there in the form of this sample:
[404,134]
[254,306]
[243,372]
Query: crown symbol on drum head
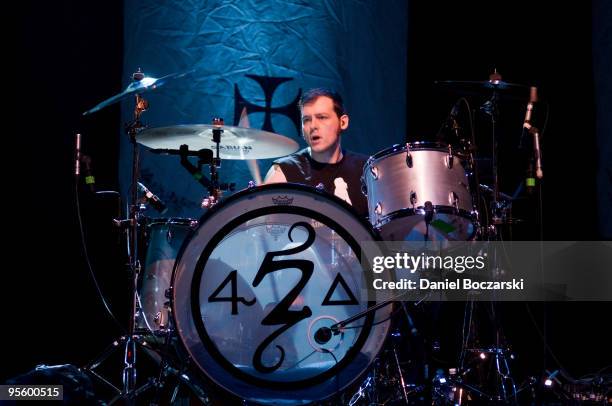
[282,200]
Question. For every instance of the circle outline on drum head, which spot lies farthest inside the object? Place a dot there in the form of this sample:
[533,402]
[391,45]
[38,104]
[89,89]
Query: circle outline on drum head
[196,309]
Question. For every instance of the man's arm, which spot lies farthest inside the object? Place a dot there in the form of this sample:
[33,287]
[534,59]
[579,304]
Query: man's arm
[275,175]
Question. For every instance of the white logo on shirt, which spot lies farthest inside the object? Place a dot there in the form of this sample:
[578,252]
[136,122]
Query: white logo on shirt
[341,190]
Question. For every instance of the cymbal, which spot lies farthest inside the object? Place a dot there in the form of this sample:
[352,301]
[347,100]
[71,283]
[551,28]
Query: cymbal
[236,142]
[136,87]
[506,89]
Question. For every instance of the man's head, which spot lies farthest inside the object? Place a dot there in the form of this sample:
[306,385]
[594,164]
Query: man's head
[323,120]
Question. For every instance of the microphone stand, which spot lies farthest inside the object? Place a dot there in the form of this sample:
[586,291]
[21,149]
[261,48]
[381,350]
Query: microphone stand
[129,391]
[325,333]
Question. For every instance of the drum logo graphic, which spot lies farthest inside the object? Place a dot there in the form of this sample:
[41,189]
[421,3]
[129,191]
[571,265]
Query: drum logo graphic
[261,287]
[282,200]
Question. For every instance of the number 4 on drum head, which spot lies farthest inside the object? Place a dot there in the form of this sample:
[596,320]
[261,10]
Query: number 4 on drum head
[234,299]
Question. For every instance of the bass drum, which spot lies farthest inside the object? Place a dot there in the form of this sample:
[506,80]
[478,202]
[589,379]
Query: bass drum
[258,287]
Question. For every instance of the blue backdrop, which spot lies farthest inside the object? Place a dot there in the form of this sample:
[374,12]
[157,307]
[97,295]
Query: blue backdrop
[246,51]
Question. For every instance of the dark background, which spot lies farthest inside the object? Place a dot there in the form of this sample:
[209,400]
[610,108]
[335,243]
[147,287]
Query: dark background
[69,58]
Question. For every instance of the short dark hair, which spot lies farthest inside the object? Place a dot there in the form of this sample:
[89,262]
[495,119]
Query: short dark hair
[311,95]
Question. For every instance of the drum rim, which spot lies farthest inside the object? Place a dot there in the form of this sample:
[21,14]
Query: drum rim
[250,379]
[188,221]
[414,146]
[287,185]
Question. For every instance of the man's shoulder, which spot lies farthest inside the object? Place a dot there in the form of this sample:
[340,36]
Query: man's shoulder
[293,159]
[356,158]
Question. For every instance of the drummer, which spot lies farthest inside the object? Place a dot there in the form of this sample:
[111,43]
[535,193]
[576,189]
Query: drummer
[324,163]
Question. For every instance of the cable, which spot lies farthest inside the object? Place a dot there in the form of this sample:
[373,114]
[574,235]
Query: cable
[88,261]
[376,323]
[542,337]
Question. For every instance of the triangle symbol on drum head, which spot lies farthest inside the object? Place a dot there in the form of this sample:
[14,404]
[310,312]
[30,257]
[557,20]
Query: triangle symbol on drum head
[351,299]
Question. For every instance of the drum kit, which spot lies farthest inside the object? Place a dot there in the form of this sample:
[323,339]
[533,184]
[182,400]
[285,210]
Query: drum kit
[265,296]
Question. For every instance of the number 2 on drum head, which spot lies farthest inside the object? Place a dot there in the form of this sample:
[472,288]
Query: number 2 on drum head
[232,279]
[281,313]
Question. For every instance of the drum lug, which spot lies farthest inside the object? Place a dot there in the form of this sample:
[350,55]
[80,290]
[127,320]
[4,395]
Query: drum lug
[450,159]
[364,188]
[453,199]
[409,162]
[158,319]
[475,215]
[378,208]
[168,293]
[374,172]
[413,199]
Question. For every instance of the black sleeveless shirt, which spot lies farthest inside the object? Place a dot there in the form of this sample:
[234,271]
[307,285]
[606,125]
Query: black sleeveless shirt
[342,179]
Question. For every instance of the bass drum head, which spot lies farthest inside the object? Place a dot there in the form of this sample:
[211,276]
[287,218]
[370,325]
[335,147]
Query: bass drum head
[260,283]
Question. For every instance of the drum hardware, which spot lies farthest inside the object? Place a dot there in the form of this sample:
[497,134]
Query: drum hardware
[387,382]
[449,158]
[399,369]
[336,328]
[409,161]
[378,208]
[205,157]
[132,342]
[429,212]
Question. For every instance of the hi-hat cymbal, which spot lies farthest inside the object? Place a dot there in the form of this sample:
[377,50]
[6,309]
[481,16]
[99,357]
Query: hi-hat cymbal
[236,142]
[136,87]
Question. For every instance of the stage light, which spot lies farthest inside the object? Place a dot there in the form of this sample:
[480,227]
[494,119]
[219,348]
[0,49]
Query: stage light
[551,378]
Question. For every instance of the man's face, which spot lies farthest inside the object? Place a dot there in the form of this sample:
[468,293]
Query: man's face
[321,125]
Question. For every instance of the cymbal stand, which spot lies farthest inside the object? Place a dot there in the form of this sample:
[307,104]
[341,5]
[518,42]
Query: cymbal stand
[129,391]
[215,191]
[498,209]
[491,108]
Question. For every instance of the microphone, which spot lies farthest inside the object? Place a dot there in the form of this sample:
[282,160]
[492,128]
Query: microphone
[90,180]
[77,160]
[533,98]
[454,111]
[452,117]
[152,199]
[538,153]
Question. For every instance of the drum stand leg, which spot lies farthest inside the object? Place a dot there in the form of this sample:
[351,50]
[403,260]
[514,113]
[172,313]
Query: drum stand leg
[505,388]
[129,391]
[400,374]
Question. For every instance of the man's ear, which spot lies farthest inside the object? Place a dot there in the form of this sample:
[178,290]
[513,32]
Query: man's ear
[344,121]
